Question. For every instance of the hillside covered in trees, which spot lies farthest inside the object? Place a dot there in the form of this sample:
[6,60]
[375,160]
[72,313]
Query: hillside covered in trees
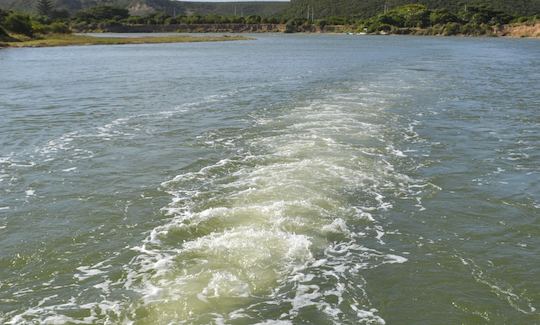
[295,9]
[48,17]
[369,8]
[145,7]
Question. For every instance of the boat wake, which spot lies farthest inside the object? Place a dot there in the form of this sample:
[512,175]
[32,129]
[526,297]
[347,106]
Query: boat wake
[280,228]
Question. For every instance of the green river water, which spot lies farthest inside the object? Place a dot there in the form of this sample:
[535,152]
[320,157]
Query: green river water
[291,179]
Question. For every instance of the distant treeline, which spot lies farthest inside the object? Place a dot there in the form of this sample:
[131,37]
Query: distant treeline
[407,19]
[418,19]
[368,8]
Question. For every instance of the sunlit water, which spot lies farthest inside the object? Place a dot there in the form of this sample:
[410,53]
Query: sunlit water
[292,179]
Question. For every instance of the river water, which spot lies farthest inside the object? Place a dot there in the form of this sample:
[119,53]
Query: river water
[292,179]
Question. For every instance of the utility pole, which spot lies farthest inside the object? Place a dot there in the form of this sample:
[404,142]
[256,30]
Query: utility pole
[235,10]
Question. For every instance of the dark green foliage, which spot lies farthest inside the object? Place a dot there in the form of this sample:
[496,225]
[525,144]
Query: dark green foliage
[3,32]
[61,14]
[3,15]
[18,23]
[485,15]
[102,13]
[362,9]
[321,23]
[414,15]
[253,19]
[442,16]
[408,19]
[335,20]
[418,19]
[44,7]
[290,26]
[451,29]
[60,28]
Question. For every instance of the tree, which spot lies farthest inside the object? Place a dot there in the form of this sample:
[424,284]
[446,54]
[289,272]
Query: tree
[18,23]
[3,15]
[3,33]
[44,7]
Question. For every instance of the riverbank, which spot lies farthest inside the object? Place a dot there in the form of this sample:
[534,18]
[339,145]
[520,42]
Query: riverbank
[70,39]
[510,30]
[521,30]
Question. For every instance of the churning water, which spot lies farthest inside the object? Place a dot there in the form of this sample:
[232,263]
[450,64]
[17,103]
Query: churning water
[288,180]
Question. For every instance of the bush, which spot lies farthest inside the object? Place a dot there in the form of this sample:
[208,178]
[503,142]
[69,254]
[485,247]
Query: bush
[386,28]
[321,23]
[60,28]
[18,23]
[451,29]
[392,18]
[40,28]
[437,29]
[253,19]
[290,26]
[472,29]
[135,20]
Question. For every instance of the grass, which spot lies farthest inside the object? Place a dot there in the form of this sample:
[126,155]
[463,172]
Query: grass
[68,39]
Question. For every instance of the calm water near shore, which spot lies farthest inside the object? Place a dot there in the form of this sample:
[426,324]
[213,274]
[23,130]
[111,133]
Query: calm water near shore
[293,179]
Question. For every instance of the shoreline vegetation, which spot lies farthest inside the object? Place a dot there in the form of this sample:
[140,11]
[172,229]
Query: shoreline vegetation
[51,27]
[52,40]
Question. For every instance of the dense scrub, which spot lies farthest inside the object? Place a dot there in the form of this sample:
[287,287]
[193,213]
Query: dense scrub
[408,19]
[418,19]
[368,8]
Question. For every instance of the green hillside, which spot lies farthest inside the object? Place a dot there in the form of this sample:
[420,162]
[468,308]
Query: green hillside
[296,8]
[368,8]
[141,7]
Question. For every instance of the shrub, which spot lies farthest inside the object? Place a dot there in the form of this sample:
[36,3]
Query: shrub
[18,23]
[385,28]
[40,28]
[472,29]
[321,23]
[438,29]
[451,29]
[135,20]
[60,28]
[290,26]
[253,19]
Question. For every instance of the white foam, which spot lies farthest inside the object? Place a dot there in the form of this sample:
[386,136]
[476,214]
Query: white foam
[249,225]
[87,272]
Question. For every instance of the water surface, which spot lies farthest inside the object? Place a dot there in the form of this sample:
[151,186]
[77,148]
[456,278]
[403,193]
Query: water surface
[294,179]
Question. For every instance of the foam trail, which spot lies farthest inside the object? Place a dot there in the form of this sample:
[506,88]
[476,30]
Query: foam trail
[251,234]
